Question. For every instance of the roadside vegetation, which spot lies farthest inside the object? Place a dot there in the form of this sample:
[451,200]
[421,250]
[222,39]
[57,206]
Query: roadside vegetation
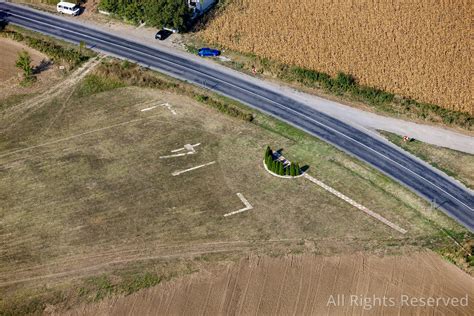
[160,13]
[456,164]
[113,74]
[346,87]
[58,51]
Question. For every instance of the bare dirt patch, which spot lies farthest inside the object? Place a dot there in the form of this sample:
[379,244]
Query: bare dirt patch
[301,285]
[10,50]
[10,76]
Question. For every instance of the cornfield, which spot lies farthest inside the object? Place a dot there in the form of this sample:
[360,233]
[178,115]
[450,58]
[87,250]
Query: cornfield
[417,49]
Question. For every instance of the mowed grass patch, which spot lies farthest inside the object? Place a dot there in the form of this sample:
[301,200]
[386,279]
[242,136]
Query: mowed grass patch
[88,194]
[456,164]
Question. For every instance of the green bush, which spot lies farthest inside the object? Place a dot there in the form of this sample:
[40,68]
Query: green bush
[158,13]
[55,51]
[225,108]
[93,84]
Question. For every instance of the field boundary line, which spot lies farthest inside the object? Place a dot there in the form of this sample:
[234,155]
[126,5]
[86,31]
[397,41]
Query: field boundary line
[247,207]
[355,204]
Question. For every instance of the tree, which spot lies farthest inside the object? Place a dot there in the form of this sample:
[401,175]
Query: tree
[292,170]
[297,169]
[268,152]
[24,63]
[281,171]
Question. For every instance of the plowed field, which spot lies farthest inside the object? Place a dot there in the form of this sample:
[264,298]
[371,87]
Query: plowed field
[303,285]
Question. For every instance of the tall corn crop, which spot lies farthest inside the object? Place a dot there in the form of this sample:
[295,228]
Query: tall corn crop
[417,49]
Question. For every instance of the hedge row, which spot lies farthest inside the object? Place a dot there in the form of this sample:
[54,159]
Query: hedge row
[132,74]
[225,108]
[159,13]
[344,83]
[276,166]
[56,52]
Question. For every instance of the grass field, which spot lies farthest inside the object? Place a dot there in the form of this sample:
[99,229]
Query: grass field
[88,209]
[417,50]
[457,164]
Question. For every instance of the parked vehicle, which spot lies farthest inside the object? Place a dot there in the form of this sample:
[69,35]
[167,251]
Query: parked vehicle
[163,34]
[208,52]
[68,8]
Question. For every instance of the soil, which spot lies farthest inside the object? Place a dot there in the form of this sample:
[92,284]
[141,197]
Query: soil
[10,50]
[303,285]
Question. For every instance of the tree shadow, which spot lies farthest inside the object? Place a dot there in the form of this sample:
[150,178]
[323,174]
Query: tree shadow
[304,168]
[43,66]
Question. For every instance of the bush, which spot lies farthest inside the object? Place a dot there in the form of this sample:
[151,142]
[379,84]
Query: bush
[225,108]
[94,84]
[55,51]
[158,13]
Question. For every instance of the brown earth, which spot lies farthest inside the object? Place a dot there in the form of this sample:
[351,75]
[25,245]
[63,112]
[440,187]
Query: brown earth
[303,285]
[418,49]
[10,50]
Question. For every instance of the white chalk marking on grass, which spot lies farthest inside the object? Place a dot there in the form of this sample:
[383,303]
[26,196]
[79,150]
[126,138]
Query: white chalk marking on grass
[168,106]
[188,147]
[355,204]
[150,108]
[177,173]
[176,155]
[183,148]
[247,207]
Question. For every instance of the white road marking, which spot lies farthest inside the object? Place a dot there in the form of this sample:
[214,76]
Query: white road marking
[177,173]
[355,204]
[247,207]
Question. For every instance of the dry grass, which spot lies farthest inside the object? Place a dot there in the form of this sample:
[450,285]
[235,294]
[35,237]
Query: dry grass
[91,196]
[454,163]
[418,49]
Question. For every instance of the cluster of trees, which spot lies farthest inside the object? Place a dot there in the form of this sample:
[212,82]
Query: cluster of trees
[159,13]
[276,166]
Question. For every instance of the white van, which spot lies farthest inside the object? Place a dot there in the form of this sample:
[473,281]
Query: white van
[68,8]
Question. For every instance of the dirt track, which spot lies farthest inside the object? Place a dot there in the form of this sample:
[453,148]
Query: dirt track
[301,285]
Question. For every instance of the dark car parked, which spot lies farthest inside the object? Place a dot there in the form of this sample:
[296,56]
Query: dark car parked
[163,34]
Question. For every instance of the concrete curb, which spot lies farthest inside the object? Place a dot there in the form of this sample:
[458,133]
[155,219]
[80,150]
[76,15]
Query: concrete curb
[278,176]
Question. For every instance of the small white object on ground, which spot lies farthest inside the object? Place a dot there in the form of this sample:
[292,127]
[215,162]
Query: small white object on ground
[177,173]
[355,204]
[247,207]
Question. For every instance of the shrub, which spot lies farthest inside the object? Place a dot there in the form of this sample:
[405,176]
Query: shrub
[159,13]
[24,63]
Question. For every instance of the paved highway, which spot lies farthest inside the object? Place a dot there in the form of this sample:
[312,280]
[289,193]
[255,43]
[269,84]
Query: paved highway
[454,199]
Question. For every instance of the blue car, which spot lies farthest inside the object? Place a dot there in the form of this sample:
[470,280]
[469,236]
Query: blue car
[208,52]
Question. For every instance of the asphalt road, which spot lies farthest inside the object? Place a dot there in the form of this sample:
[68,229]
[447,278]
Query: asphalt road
[451,197]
